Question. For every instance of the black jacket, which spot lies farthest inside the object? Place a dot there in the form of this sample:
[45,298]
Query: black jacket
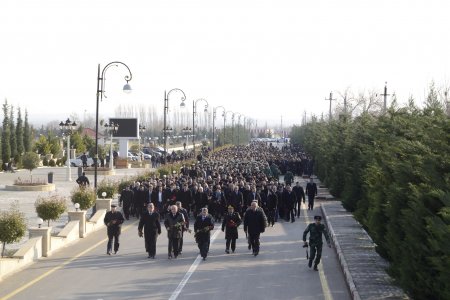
[150,224]
[255,221]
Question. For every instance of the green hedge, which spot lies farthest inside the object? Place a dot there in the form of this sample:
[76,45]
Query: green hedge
[393,172]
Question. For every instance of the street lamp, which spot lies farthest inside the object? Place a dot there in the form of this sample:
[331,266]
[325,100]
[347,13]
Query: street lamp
[141,132]
[100,91]
[111,129]
[67,129]
[224,122]
[239,124]
[194,111]
[166,128]
[214,118]
[186,130]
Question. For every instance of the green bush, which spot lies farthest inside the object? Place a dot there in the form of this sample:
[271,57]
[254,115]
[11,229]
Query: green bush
[84,196]
[124,183]
[45,161]
[51,207]
[30,161]
[13,226]
[107,186]
[52,163]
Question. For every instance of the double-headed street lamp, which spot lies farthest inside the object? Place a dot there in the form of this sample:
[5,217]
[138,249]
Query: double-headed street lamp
[166,128]
[186,130]
[111,129]
[214,118]
[194,111]
[100,91]
[67,129]
[141,133]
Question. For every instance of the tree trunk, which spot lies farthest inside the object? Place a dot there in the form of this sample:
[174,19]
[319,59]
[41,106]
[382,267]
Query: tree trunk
[48,223]
[3,249]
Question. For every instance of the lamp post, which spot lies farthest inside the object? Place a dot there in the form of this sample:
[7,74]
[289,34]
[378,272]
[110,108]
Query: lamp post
[186,130]
[166,129]
[141,133]
[239,123]
[67,129]
[224,122]
[194,108]
[111,129]
[214,118]
[100,91]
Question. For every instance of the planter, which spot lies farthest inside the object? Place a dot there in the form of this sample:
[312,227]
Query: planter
[122,164]
[91,171]
[34,188]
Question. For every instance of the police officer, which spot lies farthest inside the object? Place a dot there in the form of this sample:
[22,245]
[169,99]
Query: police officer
[113,221]
[230,225]
[315,230]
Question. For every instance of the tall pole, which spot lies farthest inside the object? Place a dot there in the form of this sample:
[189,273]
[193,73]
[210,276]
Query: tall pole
[69,171]
[232,129]
[330,99]
[193,125]
[111,154]
[213,129]
[385,94]
[166,108]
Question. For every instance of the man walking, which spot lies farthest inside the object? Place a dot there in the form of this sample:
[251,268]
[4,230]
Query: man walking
[230,225]
[150,223]
[311,191]
[113,221]
[315,230]
[255,222]
[125,200]
[174,223]
[300,194]
[202,227]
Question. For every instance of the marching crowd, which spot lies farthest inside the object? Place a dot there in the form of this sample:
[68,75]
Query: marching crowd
[233,186]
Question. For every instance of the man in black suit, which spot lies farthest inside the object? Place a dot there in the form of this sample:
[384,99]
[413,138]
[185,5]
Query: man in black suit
[255,222]
[300,194]
[150,223]
[125,200]
[289,200]
[202,227]
[113,221]
[311,191]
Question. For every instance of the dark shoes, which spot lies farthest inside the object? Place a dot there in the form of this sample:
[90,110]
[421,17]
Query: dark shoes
[170,256]
[310,263]
[315,268]
[227,251]
[249,247]
[204,258]
[109,252]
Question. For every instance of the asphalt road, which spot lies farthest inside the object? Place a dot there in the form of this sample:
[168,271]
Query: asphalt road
[84,271]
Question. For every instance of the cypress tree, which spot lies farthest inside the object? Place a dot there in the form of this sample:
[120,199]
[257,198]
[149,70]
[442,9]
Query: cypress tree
[26,134]
[19,133]
[6,149]
[12,133]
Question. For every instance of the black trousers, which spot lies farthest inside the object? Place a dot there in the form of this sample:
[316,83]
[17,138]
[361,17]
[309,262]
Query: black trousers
[271,214]
[253,240]
[315,251]
[150,244]
[310,202]
[112,236]
[174,243]
[203,245]
[180,245]
[126,210]
[233,244]
[290,214]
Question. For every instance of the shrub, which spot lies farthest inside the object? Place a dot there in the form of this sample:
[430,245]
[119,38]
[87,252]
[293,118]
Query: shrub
[59,162]
[51,207]
[107,186]
[45,161]
[84,196]
[12,226]
[30,161]
[52,163]
[124,183]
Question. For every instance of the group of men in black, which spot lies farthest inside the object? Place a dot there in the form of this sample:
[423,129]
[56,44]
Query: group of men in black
[232,186]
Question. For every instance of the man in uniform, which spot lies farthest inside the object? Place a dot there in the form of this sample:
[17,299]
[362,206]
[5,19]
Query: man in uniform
[230,224]
[113,220]
[315,230]
[202,227]
[150,223]
[174,223]
[82,181]
[255,222]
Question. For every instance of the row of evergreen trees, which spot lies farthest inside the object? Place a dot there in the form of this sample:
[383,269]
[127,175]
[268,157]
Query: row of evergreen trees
[16,134]
[393,172]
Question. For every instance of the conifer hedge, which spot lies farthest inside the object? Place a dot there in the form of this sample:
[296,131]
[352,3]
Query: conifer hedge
[393,173]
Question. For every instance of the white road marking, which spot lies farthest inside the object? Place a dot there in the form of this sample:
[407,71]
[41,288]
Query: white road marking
[191,270]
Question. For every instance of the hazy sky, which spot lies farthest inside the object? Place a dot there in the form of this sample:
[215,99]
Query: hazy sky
[261,58]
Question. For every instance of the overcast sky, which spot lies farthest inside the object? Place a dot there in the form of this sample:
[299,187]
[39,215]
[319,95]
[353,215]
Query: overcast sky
[261,58]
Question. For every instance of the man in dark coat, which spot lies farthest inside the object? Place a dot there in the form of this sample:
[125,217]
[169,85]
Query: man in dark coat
[235,199]
[289,200]
[272,204]
[185,214]
[311,191]
[202,227]
[300,194]
[150,223]
[174,223]
[113,221]
[185,197]
[82,181]
[125,200]
[315,230]
[230,224]
[255,222]
[200,200]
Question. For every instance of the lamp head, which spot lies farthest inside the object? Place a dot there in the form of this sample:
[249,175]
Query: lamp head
[40,222]
[127,88]
[77,206]
[182,104]
[104,195]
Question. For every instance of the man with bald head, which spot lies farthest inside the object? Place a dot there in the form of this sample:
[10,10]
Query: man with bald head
[255,222]
[174,223]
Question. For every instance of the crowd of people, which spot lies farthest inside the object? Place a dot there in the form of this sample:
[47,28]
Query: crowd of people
[232,186]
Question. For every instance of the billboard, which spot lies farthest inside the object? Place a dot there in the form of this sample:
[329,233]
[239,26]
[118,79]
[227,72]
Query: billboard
[128,128]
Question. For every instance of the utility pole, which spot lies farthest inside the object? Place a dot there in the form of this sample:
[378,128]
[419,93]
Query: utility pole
[330,99]
[385,94]
[281,128]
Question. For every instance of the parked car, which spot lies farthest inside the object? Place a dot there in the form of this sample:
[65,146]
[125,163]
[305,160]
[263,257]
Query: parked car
[132,156]
[77,162]
[145,156]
